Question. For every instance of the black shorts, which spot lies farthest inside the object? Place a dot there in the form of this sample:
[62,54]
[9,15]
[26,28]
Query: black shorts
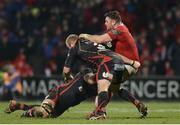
[107,65]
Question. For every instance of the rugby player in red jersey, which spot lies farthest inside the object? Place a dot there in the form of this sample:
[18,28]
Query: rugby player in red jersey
[119,39]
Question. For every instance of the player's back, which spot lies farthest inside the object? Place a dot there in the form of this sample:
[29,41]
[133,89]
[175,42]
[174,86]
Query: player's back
[90,48]
[89,52]
[85,51]
[71,94]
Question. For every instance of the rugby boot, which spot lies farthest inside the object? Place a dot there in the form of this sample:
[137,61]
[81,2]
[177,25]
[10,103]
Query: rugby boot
[142,109]
[100,115]
[90,114]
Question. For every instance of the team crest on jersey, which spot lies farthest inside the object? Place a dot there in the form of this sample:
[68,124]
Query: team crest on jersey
[80,88]
[115,32]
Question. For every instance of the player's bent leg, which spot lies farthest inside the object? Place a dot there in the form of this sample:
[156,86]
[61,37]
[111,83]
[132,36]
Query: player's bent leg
[89,115]
[143,110]
[126,95]
[100,111]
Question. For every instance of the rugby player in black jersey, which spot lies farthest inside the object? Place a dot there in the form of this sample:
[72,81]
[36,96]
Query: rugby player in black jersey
[60,98]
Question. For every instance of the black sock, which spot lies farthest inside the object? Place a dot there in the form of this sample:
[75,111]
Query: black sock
[103,99]
[110,94]
[126,95]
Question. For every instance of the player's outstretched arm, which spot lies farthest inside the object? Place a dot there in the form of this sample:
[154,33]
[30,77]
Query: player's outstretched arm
[96,38]
[14,106]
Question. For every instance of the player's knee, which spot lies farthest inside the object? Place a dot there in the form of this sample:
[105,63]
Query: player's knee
[103,85]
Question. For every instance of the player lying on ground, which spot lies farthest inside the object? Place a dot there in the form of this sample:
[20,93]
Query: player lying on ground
[59,98]
[65,96]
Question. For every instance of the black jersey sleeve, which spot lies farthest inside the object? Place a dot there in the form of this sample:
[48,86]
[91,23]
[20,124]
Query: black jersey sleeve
[71,56]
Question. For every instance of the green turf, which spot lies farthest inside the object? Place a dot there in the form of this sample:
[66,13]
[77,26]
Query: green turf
[118,112]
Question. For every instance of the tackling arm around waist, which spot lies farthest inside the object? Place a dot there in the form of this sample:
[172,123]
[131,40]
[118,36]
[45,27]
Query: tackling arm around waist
[133,63]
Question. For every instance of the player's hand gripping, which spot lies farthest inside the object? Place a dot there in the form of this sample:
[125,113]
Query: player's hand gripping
[67,77]
[83,35]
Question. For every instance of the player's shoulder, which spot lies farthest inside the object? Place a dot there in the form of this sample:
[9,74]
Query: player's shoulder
[122,27]
[119,29]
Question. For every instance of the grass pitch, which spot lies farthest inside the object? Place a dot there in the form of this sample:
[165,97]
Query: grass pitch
[118,113]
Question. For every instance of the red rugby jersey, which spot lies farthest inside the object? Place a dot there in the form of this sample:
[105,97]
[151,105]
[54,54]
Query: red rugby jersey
[125,44]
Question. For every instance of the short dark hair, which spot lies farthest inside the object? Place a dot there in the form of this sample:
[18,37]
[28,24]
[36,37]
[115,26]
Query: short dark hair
[113,15]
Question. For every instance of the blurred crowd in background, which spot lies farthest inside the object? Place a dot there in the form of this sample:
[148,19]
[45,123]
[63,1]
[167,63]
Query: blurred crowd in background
[32,33]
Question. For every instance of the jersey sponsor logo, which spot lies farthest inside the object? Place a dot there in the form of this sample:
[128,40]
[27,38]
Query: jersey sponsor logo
[118,67]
